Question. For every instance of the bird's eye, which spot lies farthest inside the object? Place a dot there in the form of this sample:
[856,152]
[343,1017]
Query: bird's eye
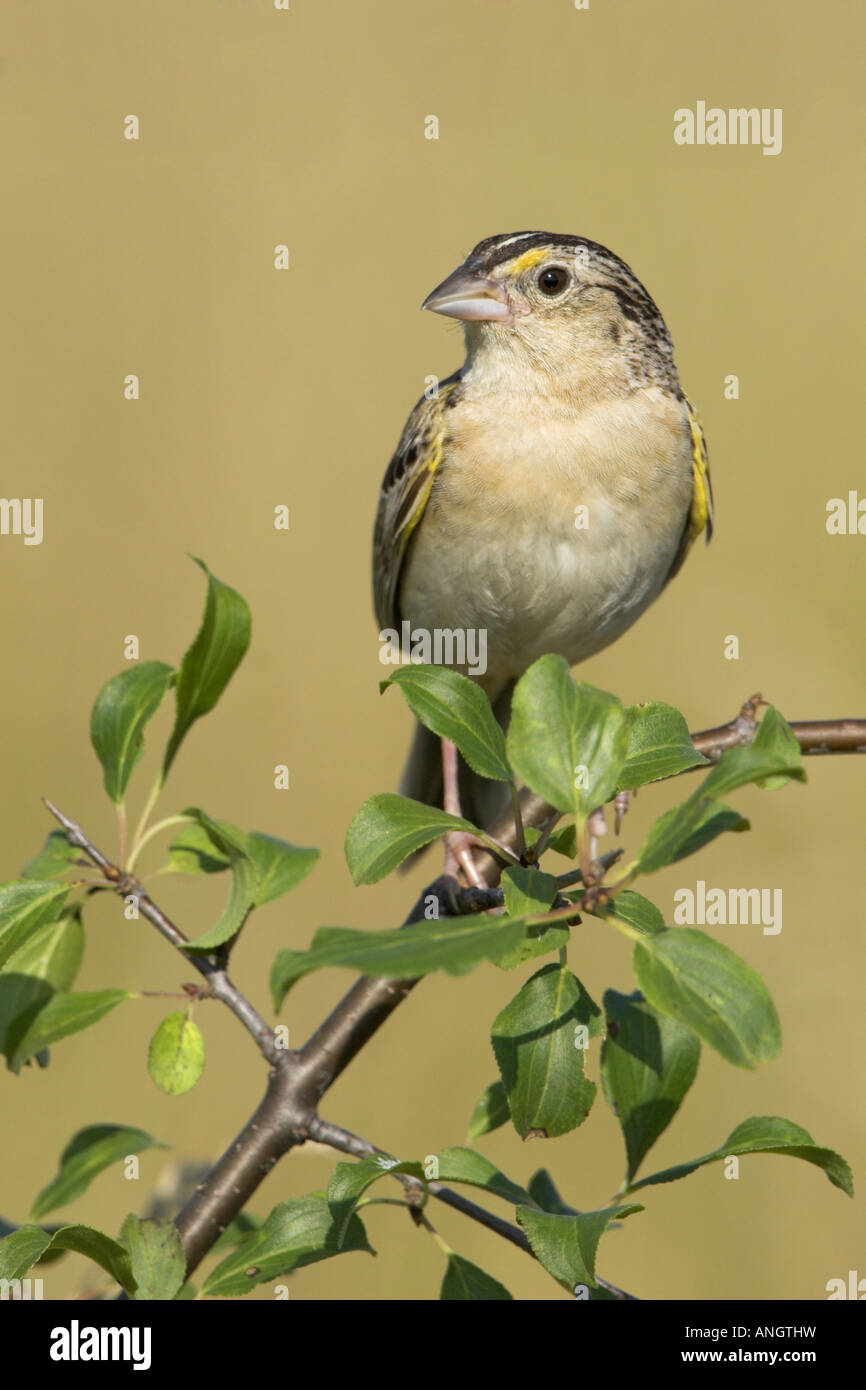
[553,280]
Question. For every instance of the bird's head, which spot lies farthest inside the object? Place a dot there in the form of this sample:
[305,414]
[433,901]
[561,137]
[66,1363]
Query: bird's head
[557,300]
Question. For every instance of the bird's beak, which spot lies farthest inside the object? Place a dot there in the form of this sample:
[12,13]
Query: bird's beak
[469,296]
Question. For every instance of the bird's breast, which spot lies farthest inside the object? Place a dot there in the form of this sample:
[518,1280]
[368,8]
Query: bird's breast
[552,530]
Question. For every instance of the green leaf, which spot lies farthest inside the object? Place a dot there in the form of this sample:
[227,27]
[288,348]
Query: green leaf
[689,825]
[48,961]
[716,819]
[88,1153]
[279,866]
[464,1280]
[542,1189]
[388,828]
[192,851]
[659,745]
[566,739]
[648,1063]
[765,1134]
[53,953]
[776,738]
[454,707]
[527,891]
[566,1246]
[225,839]
[211,661]
[24,908]
[349,1182]
[123,707]
[702,984]
[564,840]
[20,1251]
[538,1040]
[460,1164]
[97,1246]
[56,856]
[63,1015]
[739,766]
[297,1233]
[539,942]
[232,844]
[676,835]
[51,1257]
[454,944]
[176,1059]
[157,1257]
[635,910]
[491,1111]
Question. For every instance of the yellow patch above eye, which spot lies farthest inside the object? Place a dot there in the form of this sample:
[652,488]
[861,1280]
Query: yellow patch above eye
[528,260]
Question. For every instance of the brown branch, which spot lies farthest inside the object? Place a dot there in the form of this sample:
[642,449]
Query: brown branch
[219,986]
[343,1140]
[277,1126]
[346,1142]
[813,735]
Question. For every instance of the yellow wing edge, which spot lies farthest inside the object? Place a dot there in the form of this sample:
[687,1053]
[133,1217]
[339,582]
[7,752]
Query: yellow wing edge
[430,464]
[403,502]
[701,513]
[700,517]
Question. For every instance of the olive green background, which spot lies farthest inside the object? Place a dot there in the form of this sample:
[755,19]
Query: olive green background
[260,388]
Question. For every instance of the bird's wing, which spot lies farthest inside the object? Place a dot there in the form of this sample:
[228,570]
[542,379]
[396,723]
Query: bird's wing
[405,492]
[700,517]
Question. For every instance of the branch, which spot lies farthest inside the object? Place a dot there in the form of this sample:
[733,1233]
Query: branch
[342,1139]
[813,735]
[276,1127]
[219,985]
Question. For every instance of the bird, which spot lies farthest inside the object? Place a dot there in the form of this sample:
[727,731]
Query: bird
[547,491]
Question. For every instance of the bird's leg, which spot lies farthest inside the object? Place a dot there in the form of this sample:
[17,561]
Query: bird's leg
[597,827]
[458,851]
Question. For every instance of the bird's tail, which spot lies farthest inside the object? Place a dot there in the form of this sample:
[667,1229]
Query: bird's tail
[481,800]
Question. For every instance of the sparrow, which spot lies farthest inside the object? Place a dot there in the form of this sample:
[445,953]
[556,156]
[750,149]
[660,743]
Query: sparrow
[546,493]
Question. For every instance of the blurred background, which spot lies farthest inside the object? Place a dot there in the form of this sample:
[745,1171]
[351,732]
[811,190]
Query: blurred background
[261,388]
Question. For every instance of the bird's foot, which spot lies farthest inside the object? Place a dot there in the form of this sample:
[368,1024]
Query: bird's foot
[458,843]
[459,860]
